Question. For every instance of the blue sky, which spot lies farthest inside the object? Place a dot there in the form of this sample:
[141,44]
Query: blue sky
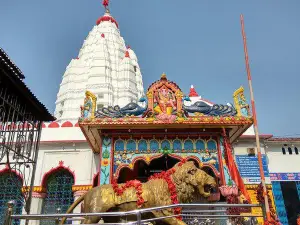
[195,42]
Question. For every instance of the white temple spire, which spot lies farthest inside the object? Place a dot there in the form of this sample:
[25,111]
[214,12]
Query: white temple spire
[104,66]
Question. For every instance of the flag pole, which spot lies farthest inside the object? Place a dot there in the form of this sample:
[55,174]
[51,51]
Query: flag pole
[259,156]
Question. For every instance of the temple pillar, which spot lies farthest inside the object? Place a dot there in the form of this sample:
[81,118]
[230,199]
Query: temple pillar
[106,160]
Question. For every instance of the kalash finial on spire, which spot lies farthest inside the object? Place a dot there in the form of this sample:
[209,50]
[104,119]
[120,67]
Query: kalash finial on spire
[105,3]
[106,16]
[163,76]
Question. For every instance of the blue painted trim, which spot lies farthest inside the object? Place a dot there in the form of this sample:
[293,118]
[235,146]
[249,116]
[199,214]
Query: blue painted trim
[279,202]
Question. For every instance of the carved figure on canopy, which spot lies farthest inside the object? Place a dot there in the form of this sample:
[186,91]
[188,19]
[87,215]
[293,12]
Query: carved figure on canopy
[165,102]
[89,106]
[131,109]
[240,103]
[215,110]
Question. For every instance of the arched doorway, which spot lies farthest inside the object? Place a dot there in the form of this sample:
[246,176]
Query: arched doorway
[59,193]
[10,189]
[142,171]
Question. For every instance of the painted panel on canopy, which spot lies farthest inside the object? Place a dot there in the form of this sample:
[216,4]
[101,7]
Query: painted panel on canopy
[188,145]
[177,145]
[119,145]
[165,144]
[211,145]
[105,160]
[142,145]
[131,145]
[200,144]
[127,159]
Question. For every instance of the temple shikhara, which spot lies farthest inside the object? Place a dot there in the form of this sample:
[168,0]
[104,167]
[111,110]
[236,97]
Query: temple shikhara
[115,147]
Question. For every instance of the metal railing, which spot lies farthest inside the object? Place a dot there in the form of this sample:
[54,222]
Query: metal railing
[190,213]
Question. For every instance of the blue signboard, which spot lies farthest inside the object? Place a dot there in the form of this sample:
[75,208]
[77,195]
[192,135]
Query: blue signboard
[284,176]
[248,166]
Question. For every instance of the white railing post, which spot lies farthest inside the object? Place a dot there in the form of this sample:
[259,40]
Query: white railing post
[9,212]
[139,217]
[58,211]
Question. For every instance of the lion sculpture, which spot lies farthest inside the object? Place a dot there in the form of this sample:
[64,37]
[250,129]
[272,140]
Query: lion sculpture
[189,182]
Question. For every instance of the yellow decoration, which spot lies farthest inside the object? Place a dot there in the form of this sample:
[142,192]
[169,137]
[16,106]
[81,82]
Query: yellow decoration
[198,114]
[251,189]
[38,189]
[150,119]
[180,119]
[81,187]
[148,159]
[105,162]
[240,102]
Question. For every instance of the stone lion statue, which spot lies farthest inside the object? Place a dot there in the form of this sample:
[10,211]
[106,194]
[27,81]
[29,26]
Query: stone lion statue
[189,182]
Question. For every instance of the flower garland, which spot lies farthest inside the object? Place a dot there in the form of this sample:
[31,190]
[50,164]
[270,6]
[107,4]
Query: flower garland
[260,198]
[233,199]
[137,185]
[166,175]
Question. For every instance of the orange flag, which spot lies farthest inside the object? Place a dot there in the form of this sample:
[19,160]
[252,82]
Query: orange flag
[233,170]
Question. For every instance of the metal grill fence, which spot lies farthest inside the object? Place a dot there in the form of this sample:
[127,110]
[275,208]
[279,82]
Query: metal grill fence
[193,214]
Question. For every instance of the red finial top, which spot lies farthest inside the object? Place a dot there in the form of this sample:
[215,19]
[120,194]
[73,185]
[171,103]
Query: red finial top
[127,54]
[193,92]
[128,46]
[105,3]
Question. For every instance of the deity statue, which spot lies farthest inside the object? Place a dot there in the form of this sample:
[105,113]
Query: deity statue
[165,104]
[244,106]
[165,101]
[240,103]
[87,107]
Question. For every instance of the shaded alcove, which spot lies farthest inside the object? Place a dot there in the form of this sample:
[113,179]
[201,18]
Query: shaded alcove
[142,171]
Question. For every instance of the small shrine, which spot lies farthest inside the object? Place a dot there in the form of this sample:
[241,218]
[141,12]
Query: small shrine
[152,135]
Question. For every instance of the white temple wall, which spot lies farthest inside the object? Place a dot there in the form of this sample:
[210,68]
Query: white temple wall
[77,157]
[280,163]
[242,146]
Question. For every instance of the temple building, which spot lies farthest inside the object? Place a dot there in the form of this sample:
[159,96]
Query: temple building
[109,129]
